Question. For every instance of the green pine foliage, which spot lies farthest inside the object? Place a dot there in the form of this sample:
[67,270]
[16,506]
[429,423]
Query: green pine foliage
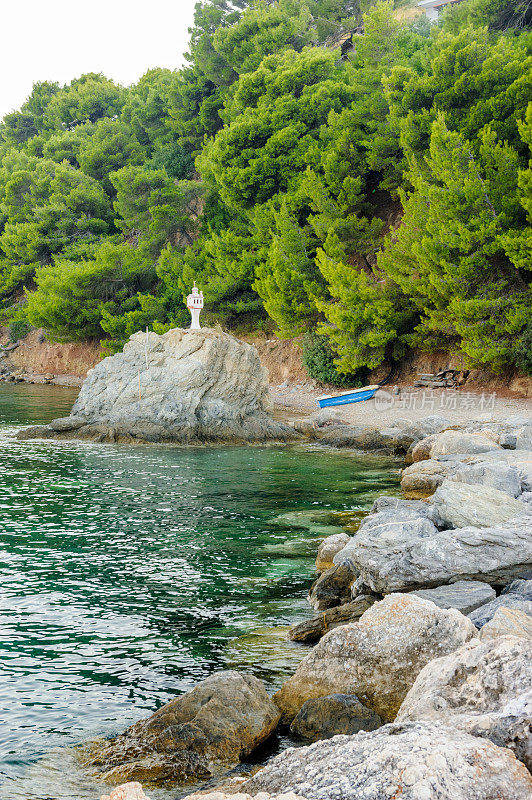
[320,168]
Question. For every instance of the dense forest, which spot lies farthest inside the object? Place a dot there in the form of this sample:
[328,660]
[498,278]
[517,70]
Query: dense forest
[342,171]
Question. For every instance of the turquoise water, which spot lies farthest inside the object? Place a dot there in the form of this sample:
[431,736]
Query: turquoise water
[128,573]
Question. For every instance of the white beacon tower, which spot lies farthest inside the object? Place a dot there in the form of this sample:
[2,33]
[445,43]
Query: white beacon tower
[194,305]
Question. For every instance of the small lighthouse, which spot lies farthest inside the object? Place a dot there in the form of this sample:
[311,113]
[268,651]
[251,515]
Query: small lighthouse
[194,305]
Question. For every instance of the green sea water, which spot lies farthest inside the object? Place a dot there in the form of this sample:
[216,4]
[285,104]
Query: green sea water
[129,573]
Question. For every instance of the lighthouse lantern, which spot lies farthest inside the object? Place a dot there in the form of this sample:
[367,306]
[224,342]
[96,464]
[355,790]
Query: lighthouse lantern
[194,305]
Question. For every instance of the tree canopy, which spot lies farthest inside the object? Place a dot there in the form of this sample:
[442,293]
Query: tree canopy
[343,170]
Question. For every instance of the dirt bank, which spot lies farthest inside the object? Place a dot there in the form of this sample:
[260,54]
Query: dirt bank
[38,358]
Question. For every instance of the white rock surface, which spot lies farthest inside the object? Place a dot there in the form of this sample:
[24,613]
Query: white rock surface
[493,474]
[460,505]
[377,658]
[416,761]
[127,791]
[181,386]
[485,688]
[507,622]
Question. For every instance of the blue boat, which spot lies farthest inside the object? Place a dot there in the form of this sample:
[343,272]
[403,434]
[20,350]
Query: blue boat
[353,396]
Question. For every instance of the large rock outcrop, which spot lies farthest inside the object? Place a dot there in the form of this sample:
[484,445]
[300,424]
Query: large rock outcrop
[411,553]
[377,658]
[220,721]
[485,688]
[416,761]
[183,386]
[452,442]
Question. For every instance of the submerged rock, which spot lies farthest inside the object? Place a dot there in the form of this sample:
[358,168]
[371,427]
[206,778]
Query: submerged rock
[485,688]
[183,386]
[415,761]
[335,714]
[220,721]
[377,658]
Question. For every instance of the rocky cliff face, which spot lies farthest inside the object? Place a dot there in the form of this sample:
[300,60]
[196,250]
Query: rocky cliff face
[183,386]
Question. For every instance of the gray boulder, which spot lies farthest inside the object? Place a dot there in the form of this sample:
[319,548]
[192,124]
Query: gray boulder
[485,688]
[414,554]
[480,616]
[412,761]
[422,428]
[385,526]
[460,505]
[333,587]
[493,474]
[507,622]
[524,438]
[360,437]
[520,459]
[377,658]
[453,442]
[465,596]
[521,587]
[219,722]
[182,386]
[67,424]
[393,505]
[335,714]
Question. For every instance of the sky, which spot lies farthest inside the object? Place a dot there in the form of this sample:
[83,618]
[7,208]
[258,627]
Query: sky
[58,40]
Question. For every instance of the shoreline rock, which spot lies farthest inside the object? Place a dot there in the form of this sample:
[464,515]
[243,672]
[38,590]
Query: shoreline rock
[413,761]
[484,688]
[214,725]
[377,658]
[181,387]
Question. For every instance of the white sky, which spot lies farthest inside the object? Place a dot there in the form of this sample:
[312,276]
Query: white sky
[61,39]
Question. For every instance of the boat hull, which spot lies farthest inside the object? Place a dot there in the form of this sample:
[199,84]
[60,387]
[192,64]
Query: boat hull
[344,399]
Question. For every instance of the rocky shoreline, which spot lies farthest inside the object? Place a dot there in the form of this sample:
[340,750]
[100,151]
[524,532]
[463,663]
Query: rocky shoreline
[419,680]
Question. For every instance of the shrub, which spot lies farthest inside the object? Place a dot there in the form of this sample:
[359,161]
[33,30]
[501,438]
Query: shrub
[523,351]
[18,329]
[318,360]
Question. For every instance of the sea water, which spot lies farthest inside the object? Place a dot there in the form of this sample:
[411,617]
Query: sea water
[130,573]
